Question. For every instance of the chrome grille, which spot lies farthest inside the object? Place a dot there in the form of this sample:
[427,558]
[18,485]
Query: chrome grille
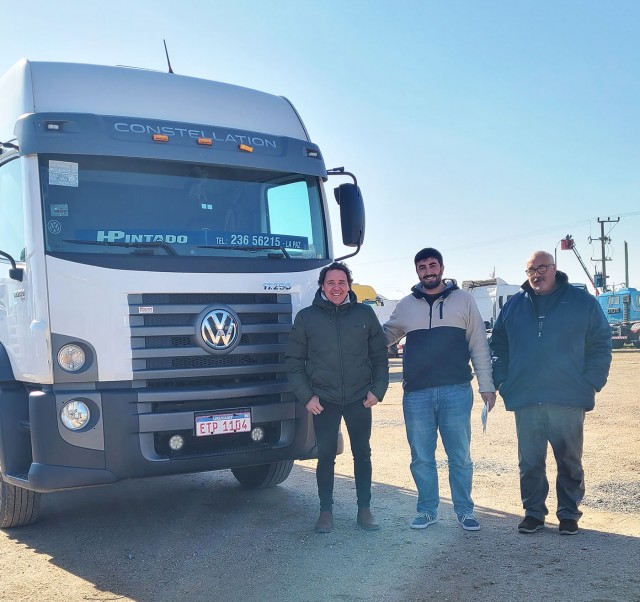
[175,377]
[163,337]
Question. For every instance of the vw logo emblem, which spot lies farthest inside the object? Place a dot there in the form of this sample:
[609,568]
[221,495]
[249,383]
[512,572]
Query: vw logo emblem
[219,329]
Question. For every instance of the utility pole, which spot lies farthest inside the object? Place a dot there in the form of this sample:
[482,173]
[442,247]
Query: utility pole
[603,240]
[626,264]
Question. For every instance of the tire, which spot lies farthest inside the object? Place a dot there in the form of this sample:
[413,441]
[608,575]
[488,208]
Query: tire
[636,344]
[617,344]
[18,506]
[263,475]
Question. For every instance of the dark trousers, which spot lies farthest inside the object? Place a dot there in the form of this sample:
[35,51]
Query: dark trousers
[562,427]
[326,425]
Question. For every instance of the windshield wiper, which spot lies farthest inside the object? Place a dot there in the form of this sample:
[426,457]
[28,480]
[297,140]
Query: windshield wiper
[136,245]
[244,248]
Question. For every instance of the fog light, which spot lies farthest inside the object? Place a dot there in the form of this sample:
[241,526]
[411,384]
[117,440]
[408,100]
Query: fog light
[176,442]
[75,414]
[71,358]
[257,434]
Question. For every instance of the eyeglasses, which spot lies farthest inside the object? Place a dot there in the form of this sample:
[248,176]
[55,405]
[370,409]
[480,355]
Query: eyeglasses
[541,269]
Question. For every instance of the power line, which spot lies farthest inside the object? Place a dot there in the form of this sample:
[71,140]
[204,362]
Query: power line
[504,239]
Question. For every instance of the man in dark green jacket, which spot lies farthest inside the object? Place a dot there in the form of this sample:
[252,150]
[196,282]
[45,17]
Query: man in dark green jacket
[338,367]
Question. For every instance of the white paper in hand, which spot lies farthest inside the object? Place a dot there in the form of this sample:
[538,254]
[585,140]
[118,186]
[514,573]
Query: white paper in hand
[484,416]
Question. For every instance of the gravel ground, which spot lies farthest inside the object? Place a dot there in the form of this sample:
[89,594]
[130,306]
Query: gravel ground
[202,537]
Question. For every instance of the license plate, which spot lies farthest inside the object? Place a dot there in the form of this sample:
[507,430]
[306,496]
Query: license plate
[223,423]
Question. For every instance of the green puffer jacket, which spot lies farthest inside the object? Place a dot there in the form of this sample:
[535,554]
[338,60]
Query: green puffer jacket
[337,352]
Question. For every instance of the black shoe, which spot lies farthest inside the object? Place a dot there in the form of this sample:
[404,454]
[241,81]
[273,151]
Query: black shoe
[530,524]
[568,526]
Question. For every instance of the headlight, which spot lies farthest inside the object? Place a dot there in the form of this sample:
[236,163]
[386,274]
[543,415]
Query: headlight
[71,358]
[75,414]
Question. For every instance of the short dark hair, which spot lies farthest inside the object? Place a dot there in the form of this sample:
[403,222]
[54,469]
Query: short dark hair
[336,265]
[426,253]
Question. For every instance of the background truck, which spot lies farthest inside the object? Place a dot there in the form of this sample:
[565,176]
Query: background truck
[158,234]
[383,308]
[490,296]
[367,294]
[622,308]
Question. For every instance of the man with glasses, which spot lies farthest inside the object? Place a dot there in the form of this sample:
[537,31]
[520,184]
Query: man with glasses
[444,330]
[551,352]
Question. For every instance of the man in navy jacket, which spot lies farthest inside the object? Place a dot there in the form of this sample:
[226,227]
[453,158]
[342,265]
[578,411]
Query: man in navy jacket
[551,352]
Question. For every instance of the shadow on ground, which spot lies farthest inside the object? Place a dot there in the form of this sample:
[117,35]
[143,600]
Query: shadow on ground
[202,537]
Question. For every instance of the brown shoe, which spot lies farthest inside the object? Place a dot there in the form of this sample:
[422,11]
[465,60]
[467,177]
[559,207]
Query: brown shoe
[324,524]
[366,521]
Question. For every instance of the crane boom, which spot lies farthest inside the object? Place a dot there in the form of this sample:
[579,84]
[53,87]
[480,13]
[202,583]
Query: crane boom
[567,243]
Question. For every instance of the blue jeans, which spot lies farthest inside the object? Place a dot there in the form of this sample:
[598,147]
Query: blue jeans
[447,409]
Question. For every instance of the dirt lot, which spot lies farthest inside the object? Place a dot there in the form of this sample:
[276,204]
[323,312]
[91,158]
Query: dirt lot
[202,537]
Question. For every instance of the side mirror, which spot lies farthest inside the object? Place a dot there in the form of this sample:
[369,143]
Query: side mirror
[352,219]
[15,273]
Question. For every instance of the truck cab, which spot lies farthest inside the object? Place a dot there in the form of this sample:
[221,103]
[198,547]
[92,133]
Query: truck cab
[622,309]
[158,234]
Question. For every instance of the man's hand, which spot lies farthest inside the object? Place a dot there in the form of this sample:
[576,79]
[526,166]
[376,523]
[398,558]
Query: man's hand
[489,397]
[313,405]
[370,401]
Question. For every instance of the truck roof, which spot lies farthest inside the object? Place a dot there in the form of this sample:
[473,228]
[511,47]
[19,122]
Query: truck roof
[36,87]
[621,291]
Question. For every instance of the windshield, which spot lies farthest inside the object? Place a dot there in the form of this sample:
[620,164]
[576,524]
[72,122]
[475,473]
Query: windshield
[110,205]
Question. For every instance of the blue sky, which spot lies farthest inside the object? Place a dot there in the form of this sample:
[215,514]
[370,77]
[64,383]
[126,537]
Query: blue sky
[487,129]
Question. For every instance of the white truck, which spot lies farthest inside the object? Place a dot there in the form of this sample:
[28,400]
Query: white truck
[158,234]
[383,311]
[490,295]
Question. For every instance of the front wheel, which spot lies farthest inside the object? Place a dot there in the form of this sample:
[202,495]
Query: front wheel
[18,506]
[617,344]
[263,475]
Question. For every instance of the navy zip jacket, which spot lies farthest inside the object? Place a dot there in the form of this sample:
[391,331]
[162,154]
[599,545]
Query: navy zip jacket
[441,339]
[564,362]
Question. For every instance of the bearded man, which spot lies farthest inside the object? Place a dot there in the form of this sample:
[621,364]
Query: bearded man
[444,330]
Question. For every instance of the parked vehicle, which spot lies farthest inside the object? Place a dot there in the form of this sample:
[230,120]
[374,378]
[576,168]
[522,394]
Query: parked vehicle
[490,296]
[367,294]
[158,234]
[622,308]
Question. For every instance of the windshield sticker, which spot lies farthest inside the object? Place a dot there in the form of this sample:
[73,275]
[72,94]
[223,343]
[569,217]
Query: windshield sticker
[248,239]
[139,236]
[54,226]
[204,237]
[63,173]
[59,210]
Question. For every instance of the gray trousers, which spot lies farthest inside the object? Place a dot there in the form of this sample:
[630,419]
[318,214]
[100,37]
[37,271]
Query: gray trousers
[562,427]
